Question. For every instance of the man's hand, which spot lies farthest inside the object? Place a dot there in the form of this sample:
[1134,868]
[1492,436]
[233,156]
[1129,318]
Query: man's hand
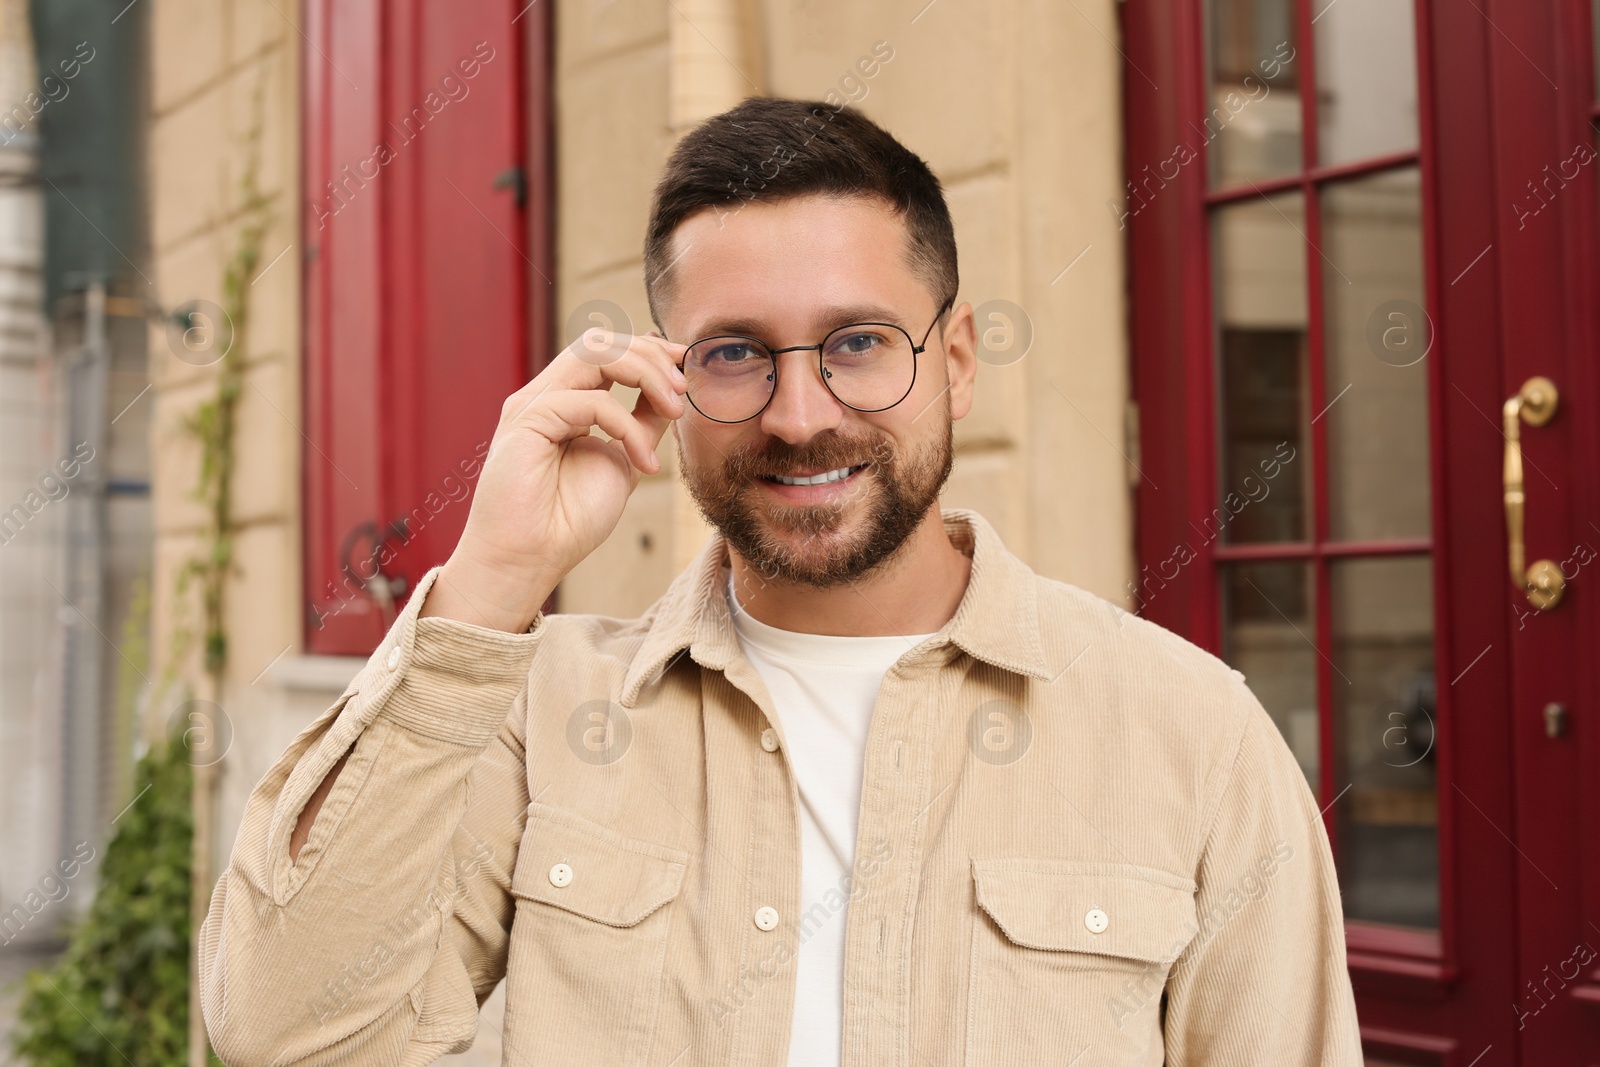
[550,492]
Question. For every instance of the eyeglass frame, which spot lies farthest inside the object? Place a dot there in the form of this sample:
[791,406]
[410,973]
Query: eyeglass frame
[916,350]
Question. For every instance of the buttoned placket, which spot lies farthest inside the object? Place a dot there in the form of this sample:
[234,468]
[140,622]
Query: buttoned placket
[895,793]
[761,1037]
[895,790]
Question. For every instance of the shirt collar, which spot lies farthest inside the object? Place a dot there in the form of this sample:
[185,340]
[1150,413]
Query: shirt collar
[997,620]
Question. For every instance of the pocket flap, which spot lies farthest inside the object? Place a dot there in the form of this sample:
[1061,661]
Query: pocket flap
[1115,909]
[614,879]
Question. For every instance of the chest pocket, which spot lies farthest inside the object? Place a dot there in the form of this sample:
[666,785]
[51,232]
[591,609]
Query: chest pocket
[589,940]
[1069,956]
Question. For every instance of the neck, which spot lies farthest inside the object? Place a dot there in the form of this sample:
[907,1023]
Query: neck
[915,592]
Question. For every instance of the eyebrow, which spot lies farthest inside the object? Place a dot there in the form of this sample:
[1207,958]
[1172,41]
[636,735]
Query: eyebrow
[828,319]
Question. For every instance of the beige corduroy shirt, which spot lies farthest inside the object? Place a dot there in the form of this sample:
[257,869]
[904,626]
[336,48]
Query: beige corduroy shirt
[1082,841]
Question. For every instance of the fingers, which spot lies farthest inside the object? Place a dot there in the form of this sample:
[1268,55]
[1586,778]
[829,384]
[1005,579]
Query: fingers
[654,422]
[640,362]
[599,358]
[580,409]
[572,394]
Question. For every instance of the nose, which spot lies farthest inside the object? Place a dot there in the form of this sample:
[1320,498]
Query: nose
[802,407]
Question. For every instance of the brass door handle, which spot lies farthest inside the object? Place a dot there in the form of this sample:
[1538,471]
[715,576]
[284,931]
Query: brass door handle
[1535,404]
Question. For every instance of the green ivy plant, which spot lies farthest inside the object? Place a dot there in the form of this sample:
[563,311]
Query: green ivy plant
[120,994]
[214,423]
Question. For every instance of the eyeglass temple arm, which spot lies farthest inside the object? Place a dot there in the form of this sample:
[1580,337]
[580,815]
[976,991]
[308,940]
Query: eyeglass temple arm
[936,316]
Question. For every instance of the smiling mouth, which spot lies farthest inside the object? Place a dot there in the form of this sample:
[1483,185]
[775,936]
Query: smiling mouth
[824,478]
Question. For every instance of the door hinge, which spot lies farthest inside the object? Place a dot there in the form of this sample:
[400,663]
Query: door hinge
[515,179]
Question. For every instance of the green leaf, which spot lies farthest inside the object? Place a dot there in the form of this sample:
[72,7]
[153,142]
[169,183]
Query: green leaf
[120,992]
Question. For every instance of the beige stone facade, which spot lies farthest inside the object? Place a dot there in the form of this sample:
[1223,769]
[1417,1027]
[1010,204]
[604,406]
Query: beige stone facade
[210,63]
[1014,103]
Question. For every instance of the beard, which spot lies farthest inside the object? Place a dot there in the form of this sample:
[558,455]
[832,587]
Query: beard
[825,544]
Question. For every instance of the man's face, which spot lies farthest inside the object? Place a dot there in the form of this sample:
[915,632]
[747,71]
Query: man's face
[788,273]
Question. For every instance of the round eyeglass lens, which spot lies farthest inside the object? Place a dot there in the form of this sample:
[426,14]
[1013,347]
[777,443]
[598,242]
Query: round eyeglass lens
[870,366]
[729,378]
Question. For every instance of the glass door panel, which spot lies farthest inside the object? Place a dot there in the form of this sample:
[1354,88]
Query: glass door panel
[1252,124]
[1263,375]
[1383,703]
[1376,338]
[1268,612]
[1366,60]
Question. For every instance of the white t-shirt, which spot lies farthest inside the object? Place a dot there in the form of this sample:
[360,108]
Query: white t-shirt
[823,690]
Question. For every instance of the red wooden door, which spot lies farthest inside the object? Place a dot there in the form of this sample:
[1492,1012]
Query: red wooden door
[1546,296]
[1336,289]
[419,184]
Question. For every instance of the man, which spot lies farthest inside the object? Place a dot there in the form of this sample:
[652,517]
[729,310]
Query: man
[860,788]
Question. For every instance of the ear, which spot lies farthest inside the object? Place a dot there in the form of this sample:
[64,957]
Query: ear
[961,359]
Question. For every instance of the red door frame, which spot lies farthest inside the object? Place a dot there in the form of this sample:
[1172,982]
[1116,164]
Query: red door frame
[1577,59]
[427,278]
[1448,998]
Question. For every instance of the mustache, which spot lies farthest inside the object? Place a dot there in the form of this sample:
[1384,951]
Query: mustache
[824,453]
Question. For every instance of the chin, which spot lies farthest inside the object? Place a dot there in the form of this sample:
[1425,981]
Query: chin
[801,523]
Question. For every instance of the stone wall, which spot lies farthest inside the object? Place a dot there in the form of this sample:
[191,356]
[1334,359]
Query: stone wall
[217,68]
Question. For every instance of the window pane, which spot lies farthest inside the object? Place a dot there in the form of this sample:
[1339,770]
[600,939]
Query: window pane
[1267,631]
[1366,78]
[1384,708]
[1376,337]
[1264,460]
[1253,125]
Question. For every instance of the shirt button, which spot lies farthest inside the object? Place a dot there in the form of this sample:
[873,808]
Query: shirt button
[393,660]
[1096,921]
[560,875]
[769,739]
[766,918]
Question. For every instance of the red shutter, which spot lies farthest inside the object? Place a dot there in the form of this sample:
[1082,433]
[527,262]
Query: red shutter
[418,265]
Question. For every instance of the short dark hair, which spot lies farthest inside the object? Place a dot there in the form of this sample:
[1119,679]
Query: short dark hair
[773,149]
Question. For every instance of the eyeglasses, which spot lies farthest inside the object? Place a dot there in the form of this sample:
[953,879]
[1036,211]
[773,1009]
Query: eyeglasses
[867,366]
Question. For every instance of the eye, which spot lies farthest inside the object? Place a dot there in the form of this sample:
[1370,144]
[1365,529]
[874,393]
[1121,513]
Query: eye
[855,343]
[726,352]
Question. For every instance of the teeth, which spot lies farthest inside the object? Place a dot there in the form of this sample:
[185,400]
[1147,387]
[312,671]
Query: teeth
[818,479]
